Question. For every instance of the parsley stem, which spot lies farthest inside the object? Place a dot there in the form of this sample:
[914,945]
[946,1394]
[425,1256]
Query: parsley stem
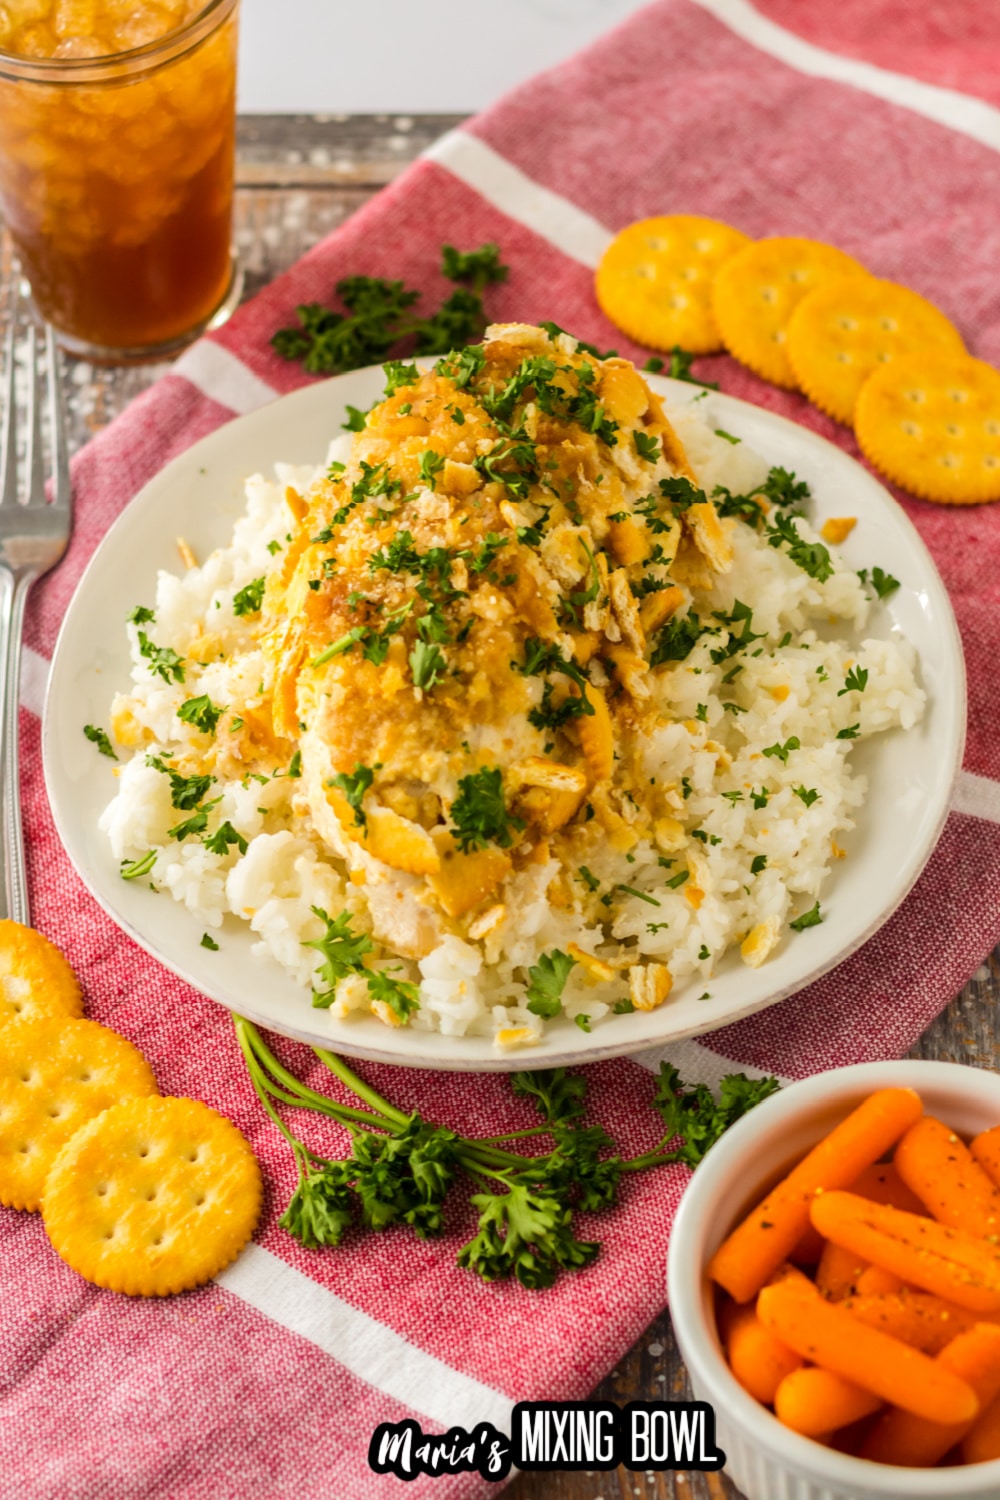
[513,1135]
[650,1159]
[340,1070]
[257,1079]
[307,1097]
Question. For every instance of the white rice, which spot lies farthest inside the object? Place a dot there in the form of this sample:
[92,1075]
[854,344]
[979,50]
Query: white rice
[811,635]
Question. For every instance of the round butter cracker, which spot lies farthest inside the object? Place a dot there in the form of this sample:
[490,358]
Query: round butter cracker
[841,333]
[35,979]
[153,1197]
[655,280]
[56,1074]
[757,291]
[931,423]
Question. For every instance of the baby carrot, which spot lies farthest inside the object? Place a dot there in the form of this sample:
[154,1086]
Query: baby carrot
[986,1150]
[825,1334]
[816,1402]
[982,1441]
[759,1361]
[943,1173]
[926,1322]
[902,1438]
[838,1271]
[746,1259]
[883,1184]
[949,1262]
[873,1281]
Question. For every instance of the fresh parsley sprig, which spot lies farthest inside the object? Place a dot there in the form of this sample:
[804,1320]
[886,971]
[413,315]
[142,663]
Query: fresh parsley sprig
[401,1168]
[378,315]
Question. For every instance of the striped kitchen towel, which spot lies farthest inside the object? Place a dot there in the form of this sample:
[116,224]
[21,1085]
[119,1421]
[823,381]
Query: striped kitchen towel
[873,124]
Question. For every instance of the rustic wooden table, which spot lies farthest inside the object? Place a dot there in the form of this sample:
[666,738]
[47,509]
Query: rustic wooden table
[299,177]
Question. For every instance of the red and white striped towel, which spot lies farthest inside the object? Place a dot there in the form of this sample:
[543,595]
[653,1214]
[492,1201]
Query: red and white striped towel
[873,124]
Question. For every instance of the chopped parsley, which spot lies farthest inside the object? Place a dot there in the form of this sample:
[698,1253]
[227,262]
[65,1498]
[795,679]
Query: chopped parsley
[97,737]
[401,995]
[248,600]
[758,863]
[431,464]
[142,616]
[354,786]
[202,713]
[397,374]
[590,880]
[138,867]
[782,488]
[676,640]
[812,557]
[550,715]
[356,419]
[207,941]
[855,681]
[342,950]
[479,813]
[782,752]
[631,891]
[883,583]
[162,660]
[648,448]
[722,433]
[547,980]
[190,827]
[679,368]
[810,918]
[428,664]
[185,791]
[676,881]
[225,835]
[850,733]
[545,656]
[808,795]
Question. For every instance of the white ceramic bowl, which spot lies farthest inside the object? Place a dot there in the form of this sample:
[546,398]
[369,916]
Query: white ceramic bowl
[766,1460]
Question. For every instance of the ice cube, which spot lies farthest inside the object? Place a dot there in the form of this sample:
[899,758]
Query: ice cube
[145,25]
[75,19]
[81,46]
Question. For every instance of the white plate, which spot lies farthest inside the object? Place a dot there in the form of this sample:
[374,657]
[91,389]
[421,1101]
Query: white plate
[200,494]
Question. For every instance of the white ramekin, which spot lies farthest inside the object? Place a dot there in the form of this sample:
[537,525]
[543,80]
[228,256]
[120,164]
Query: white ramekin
[766,1460]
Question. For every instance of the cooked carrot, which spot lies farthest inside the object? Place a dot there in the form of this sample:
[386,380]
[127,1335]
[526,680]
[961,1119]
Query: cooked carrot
[838,1271]
[982,1441]
[883,1184]
[943,1173]
[816,1402]
[759,1361]
[788,1272]
[825,1334]
[951,1263]
[873,1281]
[902,1438]
[765,1238]
[926,1322]
[986,1150]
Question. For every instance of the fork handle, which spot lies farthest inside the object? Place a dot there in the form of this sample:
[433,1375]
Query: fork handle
[14,897]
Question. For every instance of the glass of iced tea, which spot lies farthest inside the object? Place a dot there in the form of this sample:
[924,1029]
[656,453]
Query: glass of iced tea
[117,124]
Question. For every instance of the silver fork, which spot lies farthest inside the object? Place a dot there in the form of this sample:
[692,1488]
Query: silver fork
[34,531]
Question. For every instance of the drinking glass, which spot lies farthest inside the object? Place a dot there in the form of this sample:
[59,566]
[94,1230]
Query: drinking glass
[116,167]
